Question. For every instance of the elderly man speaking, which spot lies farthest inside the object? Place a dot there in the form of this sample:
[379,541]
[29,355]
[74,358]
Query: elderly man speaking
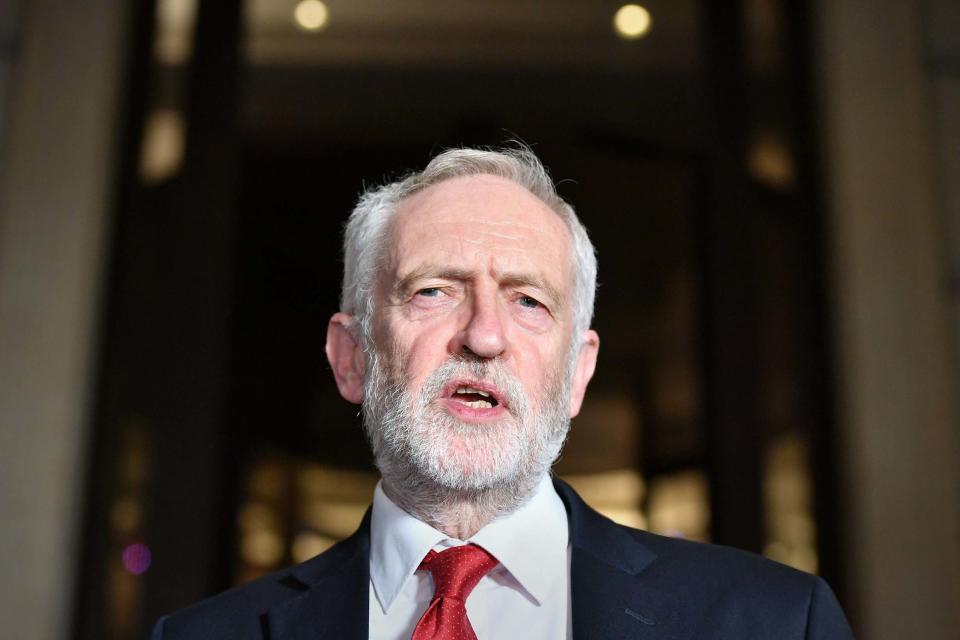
[464,333]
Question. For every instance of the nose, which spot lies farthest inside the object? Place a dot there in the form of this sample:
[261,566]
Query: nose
[483,331]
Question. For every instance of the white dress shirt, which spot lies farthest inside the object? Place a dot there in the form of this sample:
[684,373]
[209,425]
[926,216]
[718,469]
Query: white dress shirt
[527,595]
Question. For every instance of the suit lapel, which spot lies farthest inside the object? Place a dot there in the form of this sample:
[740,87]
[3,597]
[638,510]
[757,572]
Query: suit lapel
[334,602]
[609,603]
[611,598]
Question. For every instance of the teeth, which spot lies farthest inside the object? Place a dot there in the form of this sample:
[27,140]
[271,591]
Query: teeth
[472,390]
[479,404]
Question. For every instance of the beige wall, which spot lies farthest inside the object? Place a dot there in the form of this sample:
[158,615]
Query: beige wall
[61,99]
[897,360]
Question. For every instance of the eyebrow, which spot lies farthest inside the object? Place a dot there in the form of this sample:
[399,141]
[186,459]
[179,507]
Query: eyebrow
[406,283]
[523,279]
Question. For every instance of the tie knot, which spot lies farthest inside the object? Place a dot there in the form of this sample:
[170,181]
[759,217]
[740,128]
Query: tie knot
[457,570]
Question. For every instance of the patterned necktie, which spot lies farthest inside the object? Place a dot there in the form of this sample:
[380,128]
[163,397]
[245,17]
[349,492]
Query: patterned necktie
[456,571]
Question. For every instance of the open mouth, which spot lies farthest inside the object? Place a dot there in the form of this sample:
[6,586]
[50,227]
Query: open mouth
[475,398]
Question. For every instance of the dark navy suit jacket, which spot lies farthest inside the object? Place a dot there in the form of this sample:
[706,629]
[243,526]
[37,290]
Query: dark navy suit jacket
[625,583]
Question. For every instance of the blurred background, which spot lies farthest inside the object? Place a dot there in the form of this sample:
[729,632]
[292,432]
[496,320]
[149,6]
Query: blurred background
[773,187]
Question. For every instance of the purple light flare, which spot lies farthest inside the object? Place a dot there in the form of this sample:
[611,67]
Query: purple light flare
[136,558]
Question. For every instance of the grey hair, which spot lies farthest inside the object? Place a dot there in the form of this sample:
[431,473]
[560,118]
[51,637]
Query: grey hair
[368,228]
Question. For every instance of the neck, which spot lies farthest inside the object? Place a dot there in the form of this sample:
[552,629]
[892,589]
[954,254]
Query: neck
[458,513]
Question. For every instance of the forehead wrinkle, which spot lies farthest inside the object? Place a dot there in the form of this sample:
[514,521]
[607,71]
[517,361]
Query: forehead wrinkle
[480,244]
[479,235]
[509,222]
[496,236]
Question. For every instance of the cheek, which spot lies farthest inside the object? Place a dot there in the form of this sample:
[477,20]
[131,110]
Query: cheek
[420,357]
[533,370]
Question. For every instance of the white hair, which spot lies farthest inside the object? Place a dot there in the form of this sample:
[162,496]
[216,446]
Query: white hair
[367,230]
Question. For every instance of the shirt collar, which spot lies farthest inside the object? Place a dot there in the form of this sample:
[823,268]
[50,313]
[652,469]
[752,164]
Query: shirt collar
[398,542]
[530,543]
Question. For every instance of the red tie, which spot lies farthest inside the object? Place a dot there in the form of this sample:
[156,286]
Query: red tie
[456,571]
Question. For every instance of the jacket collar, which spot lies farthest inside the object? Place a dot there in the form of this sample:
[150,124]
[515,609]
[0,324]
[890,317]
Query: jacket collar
[609,597]
[334,594]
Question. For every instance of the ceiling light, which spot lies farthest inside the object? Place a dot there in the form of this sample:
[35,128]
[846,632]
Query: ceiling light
[632,21]
[311,15]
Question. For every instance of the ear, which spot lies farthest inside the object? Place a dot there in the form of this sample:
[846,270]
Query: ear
[345,357]
[583,371]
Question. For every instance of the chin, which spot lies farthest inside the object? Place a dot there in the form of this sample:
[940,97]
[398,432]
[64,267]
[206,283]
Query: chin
[467,465]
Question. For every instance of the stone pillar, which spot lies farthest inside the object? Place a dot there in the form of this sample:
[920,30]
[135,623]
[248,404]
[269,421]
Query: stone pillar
[61,98]
[896,351]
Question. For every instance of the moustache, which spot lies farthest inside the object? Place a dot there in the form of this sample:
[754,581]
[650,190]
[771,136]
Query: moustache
[489,374]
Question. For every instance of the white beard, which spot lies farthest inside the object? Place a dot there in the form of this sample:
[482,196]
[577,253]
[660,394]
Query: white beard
[432,460]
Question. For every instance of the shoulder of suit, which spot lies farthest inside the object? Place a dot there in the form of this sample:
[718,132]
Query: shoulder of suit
[234,613]
[681,559]
[728,568]
[237,613]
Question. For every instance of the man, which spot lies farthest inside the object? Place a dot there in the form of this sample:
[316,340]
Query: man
[465,334]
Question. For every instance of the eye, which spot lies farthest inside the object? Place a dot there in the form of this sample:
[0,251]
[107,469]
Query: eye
[528,302]
[430,297]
